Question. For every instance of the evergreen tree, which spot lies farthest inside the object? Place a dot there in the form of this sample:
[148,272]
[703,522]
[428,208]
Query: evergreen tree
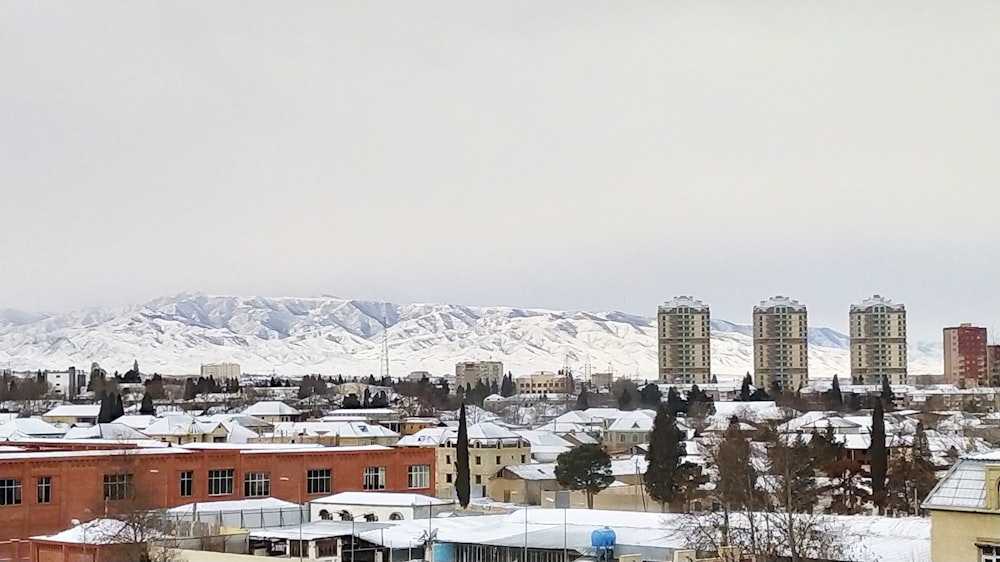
[675,404]
[119,409]
[793,470]
[586,468]
[627,399]
[146,408]
[583,400]
[462,481]
[190,390]
[106,413]
[494,389]
[887,395]
[835,399]
[507,386]
[367,400]
[350,402]
[878,455]
[715,379]
[650,396]
[745,391]
[664,475]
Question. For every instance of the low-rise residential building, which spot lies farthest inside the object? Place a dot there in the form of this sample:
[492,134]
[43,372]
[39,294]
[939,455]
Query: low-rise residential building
[329,433]
[491,447]
[181,429]
[629,429]
[964,510]
[73,414]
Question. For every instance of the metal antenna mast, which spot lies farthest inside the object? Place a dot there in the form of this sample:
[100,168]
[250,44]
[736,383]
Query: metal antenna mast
[385,346]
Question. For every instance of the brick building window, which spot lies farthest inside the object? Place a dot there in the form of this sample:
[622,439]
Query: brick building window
[117,486]
[187,483]
[220,482]
[10,491]
[318,481]
[374,478]
[257,484]
[420,476]
[44,486]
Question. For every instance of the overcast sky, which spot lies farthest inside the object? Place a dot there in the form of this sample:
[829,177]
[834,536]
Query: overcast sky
[584,155]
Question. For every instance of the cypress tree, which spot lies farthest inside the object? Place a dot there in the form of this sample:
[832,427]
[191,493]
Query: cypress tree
[119,408]
[836,398]
[887,395]
[664,473]
[583,401]
[146,407]
[745,391]
[879,459]
[105,414]
[462,486]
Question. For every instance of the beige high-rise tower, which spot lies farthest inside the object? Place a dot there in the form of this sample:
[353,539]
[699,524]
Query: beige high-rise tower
[780,344]
[878,341]
[685,344]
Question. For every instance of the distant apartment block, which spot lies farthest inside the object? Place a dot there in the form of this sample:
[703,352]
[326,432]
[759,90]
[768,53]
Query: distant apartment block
[602,380]
[68,383]
[685,345]
[221,370]
[544,382]
[993,364]
[780,344]
[966,360]
[471,372]
[878,341]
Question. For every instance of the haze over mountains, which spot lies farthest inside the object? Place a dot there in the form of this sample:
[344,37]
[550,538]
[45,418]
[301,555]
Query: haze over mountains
[331,335]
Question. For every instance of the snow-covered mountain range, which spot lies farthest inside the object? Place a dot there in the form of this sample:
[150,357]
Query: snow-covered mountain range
[331,335]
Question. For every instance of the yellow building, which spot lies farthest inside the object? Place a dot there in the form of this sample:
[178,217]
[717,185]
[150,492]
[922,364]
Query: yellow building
[471,372]
[72,414]
[965,511]
[878,341]
[780,344]
[544,382]
[491,448]
[684,341]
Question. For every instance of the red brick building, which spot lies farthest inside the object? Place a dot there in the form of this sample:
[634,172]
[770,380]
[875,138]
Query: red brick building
[965,356]
[43,489]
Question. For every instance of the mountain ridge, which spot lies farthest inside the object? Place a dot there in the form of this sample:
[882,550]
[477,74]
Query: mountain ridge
[331,335]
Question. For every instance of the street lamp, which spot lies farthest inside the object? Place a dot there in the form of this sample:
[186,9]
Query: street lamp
[299,495]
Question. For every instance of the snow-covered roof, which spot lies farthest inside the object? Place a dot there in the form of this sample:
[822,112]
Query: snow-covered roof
[26,428]
[877,300]
[136,421]
[683,302]
[384,499]
[547,470]
[160,449]
[112,431]
[99,531]
[340,428]
[74,411]
[635,421]
[270,408]
[483,433]
[964,485]
[178,425]
[779,301]
[249,504]
[766,410]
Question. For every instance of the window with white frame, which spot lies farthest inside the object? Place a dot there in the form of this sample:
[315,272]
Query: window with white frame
[117,486]
[989,553]
[419,476]
[256,484]
[220,482]
[374,478]
[318,481]
[10,491]
[187,483]
[44,489]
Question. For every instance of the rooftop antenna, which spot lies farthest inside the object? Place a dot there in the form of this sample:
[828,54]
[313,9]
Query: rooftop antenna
[384,362]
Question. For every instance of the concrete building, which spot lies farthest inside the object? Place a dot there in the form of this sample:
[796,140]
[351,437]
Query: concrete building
[491,448]
[72,414]
[780,344]
[68,383]
[471,372]
[965,356]
[878,341]
[544,382]
[685,345]
[993,364]
[602,380]
[221,370]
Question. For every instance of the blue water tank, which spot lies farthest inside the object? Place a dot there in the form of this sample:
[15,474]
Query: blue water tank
[602,538]
[443,552]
